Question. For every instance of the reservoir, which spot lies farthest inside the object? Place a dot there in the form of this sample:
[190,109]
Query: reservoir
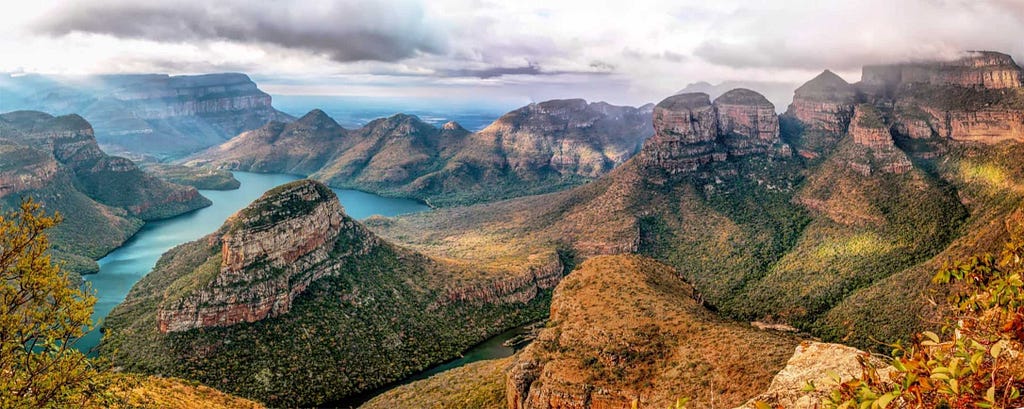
[124,266]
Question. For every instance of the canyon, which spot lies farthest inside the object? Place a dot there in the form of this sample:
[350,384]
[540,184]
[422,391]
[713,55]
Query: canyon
[827,219]
[105,199]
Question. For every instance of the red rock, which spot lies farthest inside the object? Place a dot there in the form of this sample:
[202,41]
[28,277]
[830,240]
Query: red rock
[824,103]
[978,69]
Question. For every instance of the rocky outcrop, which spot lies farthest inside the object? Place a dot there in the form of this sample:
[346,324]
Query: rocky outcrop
[685,135]
[690,131]
[747,122]
[812,362]
[977,69]
[270,252]
[879,153]
[824,103]
[520,288]
[989,125]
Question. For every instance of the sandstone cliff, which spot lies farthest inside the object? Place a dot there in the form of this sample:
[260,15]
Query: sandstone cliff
[823,107]
[104,198]
[151,115]
[690,131]
[880,154]
[977,69]
[535,149]
[270,252]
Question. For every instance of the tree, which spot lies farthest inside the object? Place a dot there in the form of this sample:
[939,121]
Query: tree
[42,313]
[978,362]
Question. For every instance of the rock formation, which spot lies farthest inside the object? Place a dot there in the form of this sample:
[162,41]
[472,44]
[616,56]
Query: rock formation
[104,198]
[690,131]
[977,69]
[812,362]
[270,252]
[534,149]
[151,115]
[869,131]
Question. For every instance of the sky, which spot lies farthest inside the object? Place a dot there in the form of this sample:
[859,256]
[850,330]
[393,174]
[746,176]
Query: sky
[625,52]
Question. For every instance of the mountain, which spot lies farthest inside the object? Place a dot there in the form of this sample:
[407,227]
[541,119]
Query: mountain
[149,115]
[294,303]
[535,149]
[829,219]
[778,92]
[104,199]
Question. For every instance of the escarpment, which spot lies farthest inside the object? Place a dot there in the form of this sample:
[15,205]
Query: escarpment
[823,107]
[880,153]
[151,115]
[977,69]
[104,198]
[270,253]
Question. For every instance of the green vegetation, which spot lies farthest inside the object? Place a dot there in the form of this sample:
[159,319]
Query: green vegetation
[479,385]
[373,322]
[198,177]
[978,361]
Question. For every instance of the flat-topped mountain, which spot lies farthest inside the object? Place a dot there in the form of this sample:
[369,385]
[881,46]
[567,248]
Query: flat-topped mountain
[150,115]
[535,149]
[104,199]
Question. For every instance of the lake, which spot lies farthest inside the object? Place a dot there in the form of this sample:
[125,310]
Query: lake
[124,266]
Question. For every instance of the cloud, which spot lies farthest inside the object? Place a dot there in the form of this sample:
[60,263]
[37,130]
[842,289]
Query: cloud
[343,30]
[812,35]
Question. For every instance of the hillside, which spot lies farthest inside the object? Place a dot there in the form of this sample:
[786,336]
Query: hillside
[149,115]
[294,303]
[824,240]
[104,199]
[535,149]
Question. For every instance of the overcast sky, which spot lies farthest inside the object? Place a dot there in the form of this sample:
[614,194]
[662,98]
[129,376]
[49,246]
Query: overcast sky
[631,51]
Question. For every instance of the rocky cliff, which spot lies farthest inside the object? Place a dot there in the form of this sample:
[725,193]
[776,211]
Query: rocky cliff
[104,198]
[535,149]
[880,154]
[270,252]
[150,115]
[690,131]
[976,69]
[823,107]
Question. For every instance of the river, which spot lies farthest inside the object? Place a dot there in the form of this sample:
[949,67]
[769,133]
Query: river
[124,266]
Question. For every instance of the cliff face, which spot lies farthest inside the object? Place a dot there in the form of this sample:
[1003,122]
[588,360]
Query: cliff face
[978,69]
[151,115]
[56,160]
[690,131]
[618,327]
[534,149]
[270,252]
[869,131]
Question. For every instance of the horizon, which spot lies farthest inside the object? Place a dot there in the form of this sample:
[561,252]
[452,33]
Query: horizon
[624,54]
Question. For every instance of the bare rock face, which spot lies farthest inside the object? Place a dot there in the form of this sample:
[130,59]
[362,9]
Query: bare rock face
[270,252]
[685,134]
[747,122]
[824,103]
[977,69]
[815,362]
[870,131]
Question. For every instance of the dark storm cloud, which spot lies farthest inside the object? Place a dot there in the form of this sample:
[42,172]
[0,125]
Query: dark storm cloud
[343,30]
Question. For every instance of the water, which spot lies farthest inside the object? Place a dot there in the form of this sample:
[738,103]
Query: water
[123,267]
[493,348]
[353,112]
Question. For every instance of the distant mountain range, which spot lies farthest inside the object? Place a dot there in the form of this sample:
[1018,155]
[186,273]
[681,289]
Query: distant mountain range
[152,116]
[538,148]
